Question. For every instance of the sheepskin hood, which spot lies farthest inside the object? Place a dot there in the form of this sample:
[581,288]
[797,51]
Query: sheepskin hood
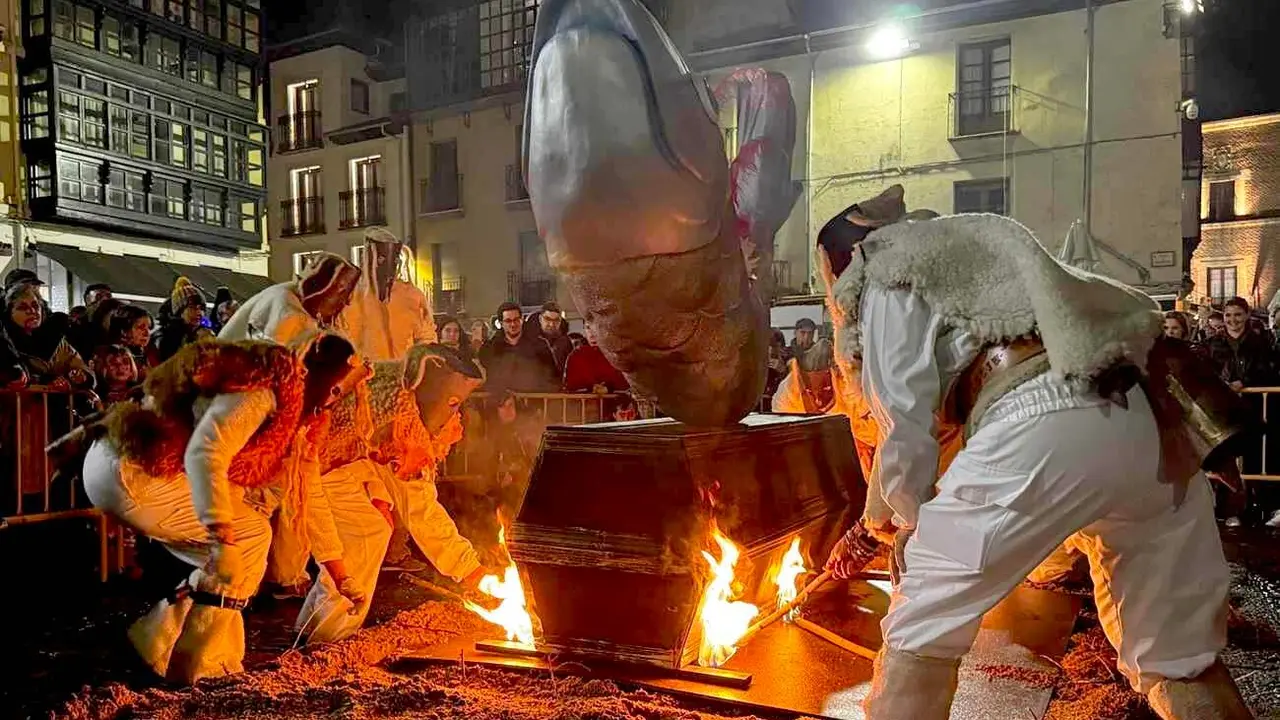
[989,276]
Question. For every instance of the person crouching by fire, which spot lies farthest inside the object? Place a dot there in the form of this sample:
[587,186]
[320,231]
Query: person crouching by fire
[968,318]
[218,419]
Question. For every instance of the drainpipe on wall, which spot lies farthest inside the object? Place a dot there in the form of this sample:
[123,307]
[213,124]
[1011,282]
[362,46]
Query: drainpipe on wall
[1086,224]
[810,240]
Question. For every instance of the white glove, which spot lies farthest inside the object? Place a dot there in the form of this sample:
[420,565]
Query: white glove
[225,564]
[351,591]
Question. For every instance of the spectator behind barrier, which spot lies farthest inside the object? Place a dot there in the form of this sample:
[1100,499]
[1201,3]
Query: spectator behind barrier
[452,336]
[187,323]
[588,370]
[45,353]
[516,359]
[116,373]
[130,326]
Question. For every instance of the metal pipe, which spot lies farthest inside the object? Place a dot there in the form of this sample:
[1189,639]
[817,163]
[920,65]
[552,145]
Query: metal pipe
[1090,27]
[810,240]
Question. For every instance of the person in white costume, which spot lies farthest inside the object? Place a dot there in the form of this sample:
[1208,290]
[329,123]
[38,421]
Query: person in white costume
[251,409]
[387,315]
[284,313]
[968,318]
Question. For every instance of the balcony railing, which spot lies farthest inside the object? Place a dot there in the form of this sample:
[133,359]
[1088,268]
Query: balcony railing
[299,131]
[448,297]
[362,207]
[302,216]
[516,190]
[441,194]
[528,290]
[988,111]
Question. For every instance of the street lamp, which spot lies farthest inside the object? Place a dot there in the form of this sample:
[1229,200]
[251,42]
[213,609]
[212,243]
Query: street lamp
[889,41]
[1192,6]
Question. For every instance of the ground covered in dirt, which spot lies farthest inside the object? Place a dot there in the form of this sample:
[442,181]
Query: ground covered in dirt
[69,635]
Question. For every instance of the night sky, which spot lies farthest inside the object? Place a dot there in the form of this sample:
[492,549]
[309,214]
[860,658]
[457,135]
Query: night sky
[1237,53]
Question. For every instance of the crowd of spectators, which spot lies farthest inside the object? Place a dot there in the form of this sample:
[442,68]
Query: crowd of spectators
[1241,345]
[106,345]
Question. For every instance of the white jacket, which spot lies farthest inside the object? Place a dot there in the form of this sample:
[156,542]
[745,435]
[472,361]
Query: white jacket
[224,425]
[273,314]
[386,331]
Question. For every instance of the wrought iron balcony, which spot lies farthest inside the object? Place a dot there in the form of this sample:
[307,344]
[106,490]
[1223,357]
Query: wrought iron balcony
[299,131]
[362,207]
[531,289]
[990,111]
[448,296]
[302,216]
[516,190]
[442,194]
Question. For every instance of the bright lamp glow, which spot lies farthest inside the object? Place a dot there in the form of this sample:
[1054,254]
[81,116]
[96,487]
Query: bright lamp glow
[888,42]
[1192,6]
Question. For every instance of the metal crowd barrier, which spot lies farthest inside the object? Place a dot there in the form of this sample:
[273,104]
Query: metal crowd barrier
[29,492]
[1263,464]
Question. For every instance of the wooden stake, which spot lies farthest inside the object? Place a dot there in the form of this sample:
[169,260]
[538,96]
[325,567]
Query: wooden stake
[776,615]
[834,639]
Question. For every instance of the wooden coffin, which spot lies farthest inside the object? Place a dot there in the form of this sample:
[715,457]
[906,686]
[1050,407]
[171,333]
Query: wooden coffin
[611,530]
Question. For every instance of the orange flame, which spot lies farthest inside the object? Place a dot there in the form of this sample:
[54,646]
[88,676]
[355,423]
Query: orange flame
[511,614]
[788,577]
[724,620]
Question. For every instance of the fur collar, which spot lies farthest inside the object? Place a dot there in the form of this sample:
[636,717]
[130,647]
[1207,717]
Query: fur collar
[989,276]
[156,435]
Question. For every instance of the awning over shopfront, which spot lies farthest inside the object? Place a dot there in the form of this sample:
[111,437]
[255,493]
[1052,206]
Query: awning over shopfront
[126,274]
[142,277]
[209,279]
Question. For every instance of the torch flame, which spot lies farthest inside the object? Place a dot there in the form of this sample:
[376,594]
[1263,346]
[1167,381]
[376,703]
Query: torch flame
[788,577]
[511,614]
[724,620]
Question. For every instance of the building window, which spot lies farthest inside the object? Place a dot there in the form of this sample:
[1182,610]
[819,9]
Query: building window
[64,12]
[202,67]
[243,28]
[213,18]
[35,113]
[95,122]
[207,206]
[126,189]
[1222,200]
[984,88]
[982,196]
[139,135]
[78,180]
[302,259]
[360,97]
[169,197]
[443,186]
[237,80]
[506,36]
[304,211]
[68,117]
[164,53]
[1222,284]
[247,160]
[200,147]
[86,27]
[37,18]
[248,214]
[40,179]
[195,14]
[120,38]
[219,165]
[398,102]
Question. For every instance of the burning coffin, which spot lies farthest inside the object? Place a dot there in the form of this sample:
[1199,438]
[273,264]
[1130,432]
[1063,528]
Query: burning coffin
[624,524]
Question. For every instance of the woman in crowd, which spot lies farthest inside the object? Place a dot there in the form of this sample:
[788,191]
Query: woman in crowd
[1245,359]
[479,332]
[187,323]
[588,370]
[1176,326]
[116,373]
[130,326]
[46,355]
[451,336]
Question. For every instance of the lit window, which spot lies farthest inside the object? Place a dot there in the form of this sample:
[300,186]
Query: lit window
[1222,284]
[506,37]
[1222,200]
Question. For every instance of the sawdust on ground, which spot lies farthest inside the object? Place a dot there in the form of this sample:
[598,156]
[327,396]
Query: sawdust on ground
[348,680]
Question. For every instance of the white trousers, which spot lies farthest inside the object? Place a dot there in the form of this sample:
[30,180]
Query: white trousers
[1022,487]
[326,615]
[203,641]
[417,506]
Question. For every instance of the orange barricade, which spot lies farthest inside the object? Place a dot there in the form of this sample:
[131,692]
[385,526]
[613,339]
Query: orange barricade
[1265,471]
[29,490]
